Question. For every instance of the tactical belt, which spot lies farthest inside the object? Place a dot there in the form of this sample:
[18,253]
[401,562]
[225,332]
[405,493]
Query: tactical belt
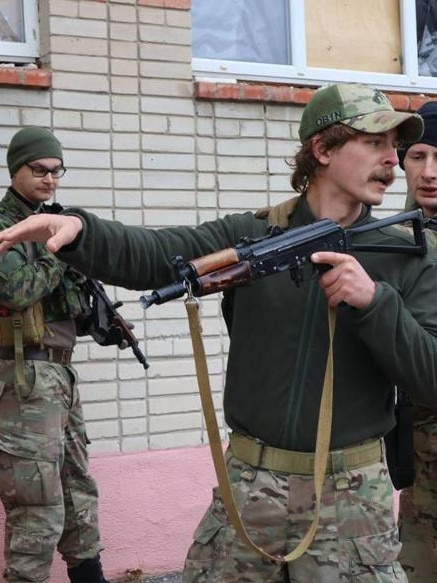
[58,355]
[257,454]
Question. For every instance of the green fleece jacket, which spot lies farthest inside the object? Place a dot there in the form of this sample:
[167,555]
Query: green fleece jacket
[279,336]
[423,414]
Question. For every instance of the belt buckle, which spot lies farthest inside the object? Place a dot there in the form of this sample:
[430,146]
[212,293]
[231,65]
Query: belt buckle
[261,445]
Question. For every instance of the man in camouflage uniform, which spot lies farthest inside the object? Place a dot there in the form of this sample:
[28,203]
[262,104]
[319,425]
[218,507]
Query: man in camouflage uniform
[386,332]
[49,497]
[418,504]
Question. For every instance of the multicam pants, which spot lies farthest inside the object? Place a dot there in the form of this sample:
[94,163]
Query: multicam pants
[418,509]
[357,539]
[50,499]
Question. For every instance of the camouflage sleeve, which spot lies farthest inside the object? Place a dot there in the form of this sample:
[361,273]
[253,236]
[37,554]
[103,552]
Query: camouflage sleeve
[23,284]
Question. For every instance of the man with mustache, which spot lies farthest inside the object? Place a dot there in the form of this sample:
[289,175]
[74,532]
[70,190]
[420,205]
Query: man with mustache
[49,497]
[386,333]
[418,504]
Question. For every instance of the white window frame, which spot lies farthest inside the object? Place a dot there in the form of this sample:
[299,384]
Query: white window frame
[300,73]
[24,52]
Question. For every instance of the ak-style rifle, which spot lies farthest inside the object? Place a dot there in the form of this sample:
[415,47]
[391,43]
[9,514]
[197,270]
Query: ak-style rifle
[278,252]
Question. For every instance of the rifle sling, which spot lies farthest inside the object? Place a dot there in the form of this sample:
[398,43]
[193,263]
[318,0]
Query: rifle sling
[322,441]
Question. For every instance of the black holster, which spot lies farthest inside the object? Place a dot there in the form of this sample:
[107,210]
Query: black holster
[399,444]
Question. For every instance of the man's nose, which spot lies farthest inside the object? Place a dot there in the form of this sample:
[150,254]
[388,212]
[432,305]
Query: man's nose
[48,177]
[429,169]
[391,156]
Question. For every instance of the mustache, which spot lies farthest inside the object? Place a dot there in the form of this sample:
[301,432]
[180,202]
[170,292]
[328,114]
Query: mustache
[386,176]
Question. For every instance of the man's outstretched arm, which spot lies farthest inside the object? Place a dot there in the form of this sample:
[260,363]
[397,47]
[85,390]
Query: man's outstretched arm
[54,230]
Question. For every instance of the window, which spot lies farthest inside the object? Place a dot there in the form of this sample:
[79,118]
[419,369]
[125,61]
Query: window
[254,31]
[426,14]
[18,31]
[312,42]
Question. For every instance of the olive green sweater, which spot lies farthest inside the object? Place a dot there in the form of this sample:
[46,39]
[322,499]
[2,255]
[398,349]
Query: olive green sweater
[279,336]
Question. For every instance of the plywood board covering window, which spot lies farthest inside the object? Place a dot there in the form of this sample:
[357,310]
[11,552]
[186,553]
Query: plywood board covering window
[355,35]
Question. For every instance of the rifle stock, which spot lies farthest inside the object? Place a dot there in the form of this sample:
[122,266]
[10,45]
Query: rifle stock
[279,251]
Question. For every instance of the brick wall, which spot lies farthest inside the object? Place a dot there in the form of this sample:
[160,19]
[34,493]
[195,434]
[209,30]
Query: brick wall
[117,90]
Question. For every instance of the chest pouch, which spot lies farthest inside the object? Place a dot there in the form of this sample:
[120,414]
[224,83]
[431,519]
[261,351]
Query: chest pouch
[26,326]
[19,328]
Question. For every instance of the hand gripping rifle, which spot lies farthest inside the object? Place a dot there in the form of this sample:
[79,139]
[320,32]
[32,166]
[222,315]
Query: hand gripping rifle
[106,325]
[279,251]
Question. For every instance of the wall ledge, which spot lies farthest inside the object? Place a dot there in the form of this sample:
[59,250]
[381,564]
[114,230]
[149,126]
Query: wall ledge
[175,4]
[31,78]
[286,94]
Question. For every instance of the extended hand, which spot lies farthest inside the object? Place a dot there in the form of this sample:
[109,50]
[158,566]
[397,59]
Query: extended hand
[347,281]
[55,230]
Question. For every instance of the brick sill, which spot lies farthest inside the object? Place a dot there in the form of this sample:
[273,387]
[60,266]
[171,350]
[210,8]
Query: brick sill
[286,94]
[31,78]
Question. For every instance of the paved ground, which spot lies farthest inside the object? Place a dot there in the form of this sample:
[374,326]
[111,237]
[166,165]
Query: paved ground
[169,578]
[142,578]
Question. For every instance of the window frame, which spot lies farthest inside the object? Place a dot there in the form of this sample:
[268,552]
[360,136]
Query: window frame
[24,52]
[300,73]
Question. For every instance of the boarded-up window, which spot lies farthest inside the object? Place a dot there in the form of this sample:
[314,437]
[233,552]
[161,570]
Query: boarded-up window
[354,34]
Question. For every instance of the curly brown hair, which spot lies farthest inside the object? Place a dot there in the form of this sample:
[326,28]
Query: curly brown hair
[306,165]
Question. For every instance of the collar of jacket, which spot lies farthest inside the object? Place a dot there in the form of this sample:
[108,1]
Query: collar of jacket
[15,206]
[302,214]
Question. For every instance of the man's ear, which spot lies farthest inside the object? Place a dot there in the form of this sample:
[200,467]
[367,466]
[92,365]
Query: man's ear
[322,155]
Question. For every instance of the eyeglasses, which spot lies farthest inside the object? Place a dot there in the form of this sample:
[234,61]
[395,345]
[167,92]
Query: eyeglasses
[42,171]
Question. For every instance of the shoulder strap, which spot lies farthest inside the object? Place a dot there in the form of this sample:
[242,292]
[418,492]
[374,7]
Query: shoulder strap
[322,441]
[279,214]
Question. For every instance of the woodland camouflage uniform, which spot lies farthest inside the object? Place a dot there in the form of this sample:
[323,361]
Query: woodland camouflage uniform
[50,499]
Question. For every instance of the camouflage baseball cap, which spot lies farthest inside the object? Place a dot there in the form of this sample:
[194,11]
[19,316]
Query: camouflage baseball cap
[359,106]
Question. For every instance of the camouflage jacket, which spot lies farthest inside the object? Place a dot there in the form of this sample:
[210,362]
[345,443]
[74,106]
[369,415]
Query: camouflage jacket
[29,272]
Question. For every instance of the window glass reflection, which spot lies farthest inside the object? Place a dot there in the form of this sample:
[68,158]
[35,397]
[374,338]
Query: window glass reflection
[426,15]
[11,21]
[241,30]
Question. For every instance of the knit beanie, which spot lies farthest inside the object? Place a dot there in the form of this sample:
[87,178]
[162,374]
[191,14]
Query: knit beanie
[428,112]
[32,143]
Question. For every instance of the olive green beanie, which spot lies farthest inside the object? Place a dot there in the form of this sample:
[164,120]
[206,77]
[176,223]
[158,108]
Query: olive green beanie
[32,143]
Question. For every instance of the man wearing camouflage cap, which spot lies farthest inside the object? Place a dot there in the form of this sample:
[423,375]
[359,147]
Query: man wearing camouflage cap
[49,497]
[386,331]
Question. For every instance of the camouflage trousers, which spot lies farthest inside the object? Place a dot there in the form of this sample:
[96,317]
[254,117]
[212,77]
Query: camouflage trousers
[418,509]
[357,539]
[50,500]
